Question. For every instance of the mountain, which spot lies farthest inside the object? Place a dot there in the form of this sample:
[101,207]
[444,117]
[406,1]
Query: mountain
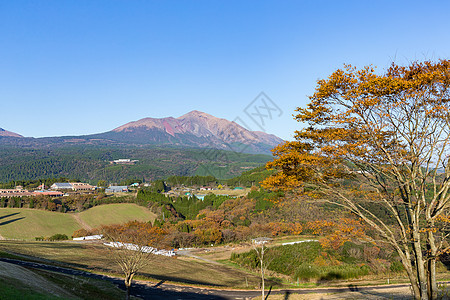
[194,129]
[6,133]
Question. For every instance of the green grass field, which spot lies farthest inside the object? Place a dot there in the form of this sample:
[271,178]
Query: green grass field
[116,213]
[26,224]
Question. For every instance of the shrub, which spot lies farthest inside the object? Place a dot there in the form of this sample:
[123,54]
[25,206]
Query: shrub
[396,266]
[58,237]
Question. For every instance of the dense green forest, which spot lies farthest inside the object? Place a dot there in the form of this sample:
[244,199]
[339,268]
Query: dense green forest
[91,164]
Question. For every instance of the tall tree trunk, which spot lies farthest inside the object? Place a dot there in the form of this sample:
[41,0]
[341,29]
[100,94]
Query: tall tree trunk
[411,275]
[420,264]
[262,281]
[431,266]
[127,297]
[432,284]
[128,280]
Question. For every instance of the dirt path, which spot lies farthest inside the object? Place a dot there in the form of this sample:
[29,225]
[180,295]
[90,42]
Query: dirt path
[81,222]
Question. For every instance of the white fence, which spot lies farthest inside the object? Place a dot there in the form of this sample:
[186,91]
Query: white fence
[145,249]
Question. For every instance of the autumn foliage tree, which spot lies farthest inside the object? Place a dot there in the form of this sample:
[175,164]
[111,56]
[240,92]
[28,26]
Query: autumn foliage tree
[389,133]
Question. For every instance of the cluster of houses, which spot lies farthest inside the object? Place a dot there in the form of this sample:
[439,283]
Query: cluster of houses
[58,189]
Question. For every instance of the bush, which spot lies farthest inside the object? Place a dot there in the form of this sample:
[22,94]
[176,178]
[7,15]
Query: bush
[396,266]
[58,237]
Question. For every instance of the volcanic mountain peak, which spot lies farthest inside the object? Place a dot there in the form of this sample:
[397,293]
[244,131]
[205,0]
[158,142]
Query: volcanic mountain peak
[195,128]
[197,114]
[4,132]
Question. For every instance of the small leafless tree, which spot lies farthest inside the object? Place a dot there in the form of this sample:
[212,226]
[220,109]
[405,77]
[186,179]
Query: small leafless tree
[259,245]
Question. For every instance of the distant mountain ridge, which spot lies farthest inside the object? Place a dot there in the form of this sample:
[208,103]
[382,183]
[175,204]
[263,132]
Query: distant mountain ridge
[195,130]
[7,133]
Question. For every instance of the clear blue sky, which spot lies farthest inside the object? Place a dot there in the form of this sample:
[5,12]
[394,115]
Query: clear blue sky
[81,67]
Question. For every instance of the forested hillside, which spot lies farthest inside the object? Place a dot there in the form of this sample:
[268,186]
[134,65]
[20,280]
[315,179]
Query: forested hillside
[93,163]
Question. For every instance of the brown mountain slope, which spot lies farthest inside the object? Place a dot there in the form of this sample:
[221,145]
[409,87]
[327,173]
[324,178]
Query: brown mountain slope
[196,129]
[4,132]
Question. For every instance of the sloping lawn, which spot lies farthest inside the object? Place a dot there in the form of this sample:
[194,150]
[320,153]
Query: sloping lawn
[116,213]
[26,224]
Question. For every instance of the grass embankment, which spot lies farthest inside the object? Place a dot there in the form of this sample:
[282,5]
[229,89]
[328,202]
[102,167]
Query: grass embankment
[26,224]
[96,258]
[18,282]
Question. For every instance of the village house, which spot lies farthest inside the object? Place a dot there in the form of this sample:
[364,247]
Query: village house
[61,186]
[48,193]
[78,186]
[74,186]
[7,193]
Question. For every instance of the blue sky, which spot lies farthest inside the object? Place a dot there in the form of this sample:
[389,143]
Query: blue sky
[81,67]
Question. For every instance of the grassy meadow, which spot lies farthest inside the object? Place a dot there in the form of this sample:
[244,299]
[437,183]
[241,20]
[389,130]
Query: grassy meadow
[116,213]
[26,224]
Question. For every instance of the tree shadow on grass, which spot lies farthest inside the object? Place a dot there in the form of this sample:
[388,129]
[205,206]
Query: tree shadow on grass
[384,294]
[11,221]
[181,280]
[331,276]
[147,292]
[10,215]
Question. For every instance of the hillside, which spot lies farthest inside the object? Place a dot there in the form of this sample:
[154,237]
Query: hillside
[26,224]
[91,163]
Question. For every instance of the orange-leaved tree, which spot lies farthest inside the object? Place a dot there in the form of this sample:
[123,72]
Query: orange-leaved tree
[380,140]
